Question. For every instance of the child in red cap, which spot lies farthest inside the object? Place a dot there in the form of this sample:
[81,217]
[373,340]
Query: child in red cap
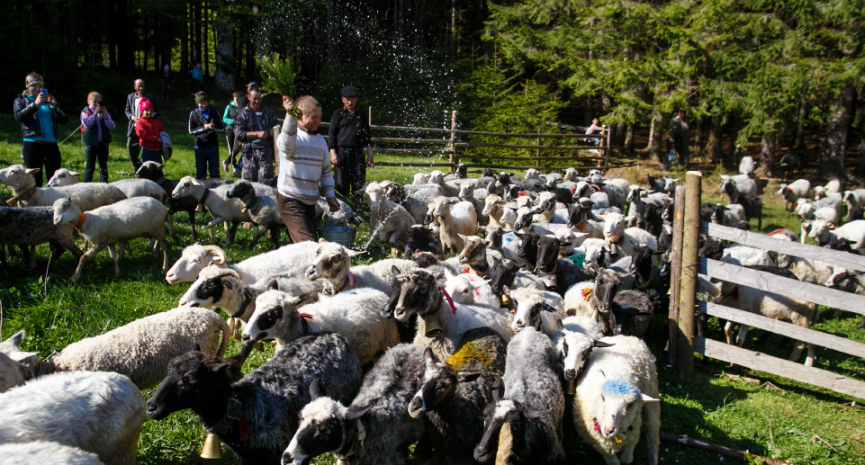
[147,129]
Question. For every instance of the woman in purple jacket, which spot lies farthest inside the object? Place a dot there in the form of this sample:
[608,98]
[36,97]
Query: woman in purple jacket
[96,126]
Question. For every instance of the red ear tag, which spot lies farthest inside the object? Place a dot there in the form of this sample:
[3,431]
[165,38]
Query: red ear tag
[522,193]
[468,268]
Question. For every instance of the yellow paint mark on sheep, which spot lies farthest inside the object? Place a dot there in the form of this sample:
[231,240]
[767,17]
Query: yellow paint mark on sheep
[467,354]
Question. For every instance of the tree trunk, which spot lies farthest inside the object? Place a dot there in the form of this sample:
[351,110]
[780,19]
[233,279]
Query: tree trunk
[628,145]
[800,125]
[735,127]
[125,50]
[589,112]
[656,135]
[837,127]
[184,47]
[225,54]
[713,144]
[205,59]
[71,30]
[767,155]
[697,148]
[619,134]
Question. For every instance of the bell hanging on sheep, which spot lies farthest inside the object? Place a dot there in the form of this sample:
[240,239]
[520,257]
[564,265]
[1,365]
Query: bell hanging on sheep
[433,328]
[212,447]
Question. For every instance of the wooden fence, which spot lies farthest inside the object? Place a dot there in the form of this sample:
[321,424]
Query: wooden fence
[686,266]
[449,143]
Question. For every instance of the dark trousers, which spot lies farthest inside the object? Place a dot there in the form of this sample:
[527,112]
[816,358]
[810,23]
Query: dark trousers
[150,155]
[350,175]
[299,218]
[207,161]
[92,155]
[45,156]
[134,151]
[258,166]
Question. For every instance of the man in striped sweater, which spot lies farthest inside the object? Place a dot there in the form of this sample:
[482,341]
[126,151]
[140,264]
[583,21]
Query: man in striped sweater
[304,166]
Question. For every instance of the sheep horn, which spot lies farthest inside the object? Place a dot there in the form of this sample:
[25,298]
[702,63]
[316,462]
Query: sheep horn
[216,250]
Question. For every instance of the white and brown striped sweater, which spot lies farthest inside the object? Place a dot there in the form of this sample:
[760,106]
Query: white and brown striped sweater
[304,164]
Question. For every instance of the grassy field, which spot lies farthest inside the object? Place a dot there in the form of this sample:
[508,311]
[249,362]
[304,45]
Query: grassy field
[783,420]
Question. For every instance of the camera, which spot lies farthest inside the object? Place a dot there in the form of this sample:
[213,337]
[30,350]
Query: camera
[43,91]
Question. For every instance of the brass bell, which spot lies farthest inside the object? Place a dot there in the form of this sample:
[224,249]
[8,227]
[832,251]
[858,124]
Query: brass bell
[571,388]
[433,328]
[506,300]
[212,447]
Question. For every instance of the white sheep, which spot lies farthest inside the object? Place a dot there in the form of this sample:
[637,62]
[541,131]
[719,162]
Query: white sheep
[577,300]
[454,218]
[332,263]
[823,232]
[133,187]
[118,222]
[142,349]
[356,314]
[262,210]
[467,288]
[623,240]
[494,209]
[740,182]
[46,452]
[800,188]
[617,400]
[854,198]
[743,255]
[100,413]
[575,340]
[196,257]
[388,222]
[87,196]
[746,166]
[539,309]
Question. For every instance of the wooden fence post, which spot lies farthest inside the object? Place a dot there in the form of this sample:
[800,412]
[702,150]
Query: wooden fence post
[688,286]
[538,152]
[676,272]
[606,148]
[370,116]
[454,159]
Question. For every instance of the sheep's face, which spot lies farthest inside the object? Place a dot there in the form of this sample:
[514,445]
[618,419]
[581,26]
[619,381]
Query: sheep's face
[421,178]
[193,259]
[275,315]
[149,170]
[437,384]
[528,305]
[440,207]
[466,288]
[579,216]
[597,253]
[571,174]
[242,190]
[17,177]
[641,262]
[532,173]
[331,261]
[820,230]
[185,187]
[606,285]
[524,219]
[634,191]
[12,373]
[436,177]
[493,239]
[502,274]
[546,203]
[529,248]
[190,377]
[616,407]
[414,292]
[466,192]
[575,349]
[614,226]
[65,211]
[474,253]
[508,216]
[374,192]
[548,254]
[321,430]
[63,177]
[215,287]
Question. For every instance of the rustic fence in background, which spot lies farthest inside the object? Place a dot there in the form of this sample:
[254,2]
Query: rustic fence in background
[686,265]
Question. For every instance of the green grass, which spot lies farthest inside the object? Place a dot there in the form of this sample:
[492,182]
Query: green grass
[782,423]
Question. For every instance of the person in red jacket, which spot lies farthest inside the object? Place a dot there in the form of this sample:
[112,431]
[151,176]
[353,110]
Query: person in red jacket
[147,129]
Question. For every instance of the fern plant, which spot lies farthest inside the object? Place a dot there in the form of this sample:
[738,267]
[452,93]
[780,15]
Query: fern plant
[277,75]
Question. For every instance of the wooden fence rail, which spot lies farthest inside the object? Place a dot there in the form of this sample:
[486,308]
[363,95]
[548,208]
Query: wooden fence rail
[682,312]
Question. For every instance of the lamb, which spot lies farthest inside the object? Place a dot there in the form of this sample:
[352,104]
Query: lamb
[196,257]
[262,210]
[32,226]
[119,222]
[854,198]
[811,210]
[532,405]
[106,408]
[578,300]
[356,314]
[538,309]
[617,399]
[46,452]
[88,196]
[389,221]
[332,264]
[142,349]
[575,340]
[475,255]
[454,218]
[375,429]
[220,207]
[452,400]
[746,166]
[257,415]
[545,207]
[741,183]
[129,187]
[854,232]
[467,288]
[493,209]
[770,305]
[801,188]
[440,325]
[153,171]
[743,255]
[341,217]
[729,215]
[467,194]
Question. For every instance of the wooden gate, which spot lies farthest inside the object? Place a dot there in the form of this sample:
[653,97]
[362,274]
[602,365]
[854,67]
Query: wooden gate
[686,266]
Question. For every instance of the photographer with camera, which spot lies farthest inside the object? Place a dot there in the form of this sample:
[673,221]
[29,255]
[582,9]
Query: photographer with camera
[96,127]
[37,112]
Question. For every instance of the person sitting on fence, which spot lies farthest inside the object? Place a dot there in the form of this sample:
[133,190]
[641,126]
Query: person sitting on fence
[304,166]
[595,128]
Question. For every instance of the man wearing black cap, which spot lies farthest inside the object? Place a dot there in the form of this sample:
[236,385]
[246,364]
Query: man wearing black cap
[348,138]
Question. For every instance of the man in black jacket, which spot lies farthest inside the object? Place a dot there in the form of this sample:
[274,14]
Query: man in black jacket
[253,127]
[677,141]
[133,112]
[204,124]
[348,138]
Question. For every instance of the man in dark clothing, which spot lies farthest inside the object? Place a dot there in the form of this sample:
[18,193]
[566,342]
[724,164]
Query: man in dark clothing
[204,123]
[348,138]
[253,128]
[677,142]
[133,112]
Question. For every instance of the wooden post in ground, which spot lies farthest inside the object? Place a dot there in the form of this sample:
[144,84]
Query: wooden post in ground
[538,152]
[453,157]
[606,147]
[688,286]
[676,272]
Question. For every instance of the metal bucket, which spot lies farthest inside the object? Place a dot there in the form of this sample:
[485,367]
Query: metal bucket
[342,235]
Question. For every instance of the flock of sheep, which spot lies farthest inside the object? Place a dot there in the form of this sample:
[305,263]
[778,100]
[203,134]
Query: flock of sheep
[477,355]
